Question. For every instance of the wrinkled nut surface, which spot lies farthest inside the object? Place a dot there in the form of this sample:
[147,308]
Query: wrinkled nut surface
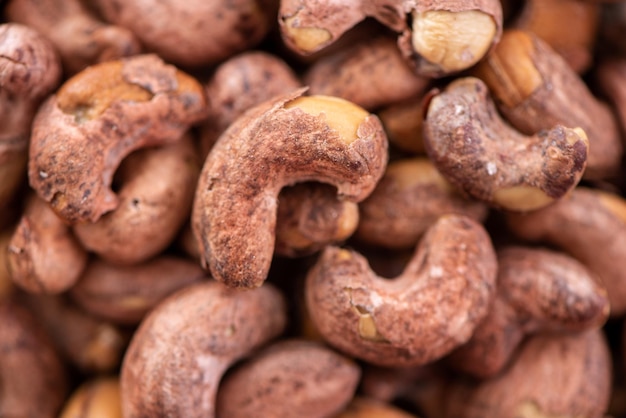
[408,199]
[180,351]
[588,224]
[476,151]
[536,89]
[552,376]
[96,398]
[32,376]
[539,290]
[281,142]
[43,254]
[291,378]
[416,318]
[98,117]
[156,188]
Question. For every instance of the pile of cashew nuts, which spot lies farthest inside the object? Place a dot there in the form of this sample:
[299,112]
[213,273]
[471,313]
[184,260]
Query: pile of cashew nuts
[313,208]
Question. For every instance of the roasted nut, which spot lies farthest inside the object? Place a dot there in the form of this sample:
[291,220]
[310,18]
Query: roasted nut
[538,291]
[481,155]
[180,351]
[404,122]
[291,378]
[429,310]
[98,117]
[7,286]
[611,78]
[79,37]
[283,141]
[95,398]
[369,408]
[409,198]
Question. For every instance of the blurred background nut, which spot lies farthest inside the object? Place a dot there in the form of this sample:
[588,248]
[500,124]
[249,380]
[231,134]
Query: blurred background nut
[95,398]
[404,122]
[610,76]
[362,407]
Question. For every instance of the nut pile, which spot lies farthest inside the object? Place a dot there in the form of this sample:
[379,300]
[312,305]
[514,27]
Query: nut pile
[312,208]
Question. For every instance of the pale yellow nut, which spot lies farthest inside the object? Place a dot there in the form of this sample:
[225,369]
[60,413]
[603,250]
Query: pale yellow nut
[306,39]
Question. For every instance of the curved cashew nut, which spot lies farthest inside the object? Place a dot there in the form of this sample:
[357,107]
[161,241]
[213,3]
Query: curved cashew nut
[479,154]
[278,143]
[430,309]
[180,351]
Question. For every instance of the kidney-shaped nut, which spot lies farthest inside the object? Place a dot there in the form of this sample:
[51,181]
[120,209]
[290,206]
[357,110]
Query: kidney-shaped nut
[409,198]
[32,376]
[96,398]
[423,314]
[156,188]
[291,378]
[180,351]
[98,117]
[476,151]
[43,254]
[538,291]
[590,225]
[290,139]
[124,294]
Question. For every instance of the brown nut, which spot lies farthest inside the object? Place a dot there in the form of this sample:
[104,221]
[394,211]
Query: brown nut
[180,351]
[404,122]
[536,89]
[538,291]
[407,200]
[43,254]
[7,285]
[310,217]
[95,398]
[124,294]
[552,376]
[98,117]
[79,37]
[193,33]
[590,225]
[476,151]
[611,78]
[155,196]
[291,378]
[283,141]
[32,376]
[426,312]
[371,73]
[361,407]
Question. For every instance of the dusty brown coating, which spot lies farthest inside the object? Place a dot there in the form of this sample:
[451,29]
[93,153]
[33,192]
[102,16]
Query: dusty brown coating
[156,188]
[361,407]
[32,376]
[408,199]
[281,142]
[88,343]
[476,151]
[98,117]
[240,83]
[179,353]
[291,378]
[416,318]
[43,254]
[193,33]
[589,225]
[124,294]
[610,75]
[535,89]
[96,398]
[310,217]
[539,290]
[371,73]
[567,375]
[79,37]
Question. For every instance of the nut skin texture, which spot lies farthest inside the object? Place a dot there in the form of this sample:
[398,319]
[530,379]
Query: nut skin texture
[590,226]
[43,254]
[478,153]
[180,351]
[291,378]
[539,290]
[155,195]
[560,375]
[97,118]
[124,294]
[416,318]
[79,37]
[96,398]
[535,89]
[407,200]
[278,143]
[32,376]
[193,33]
